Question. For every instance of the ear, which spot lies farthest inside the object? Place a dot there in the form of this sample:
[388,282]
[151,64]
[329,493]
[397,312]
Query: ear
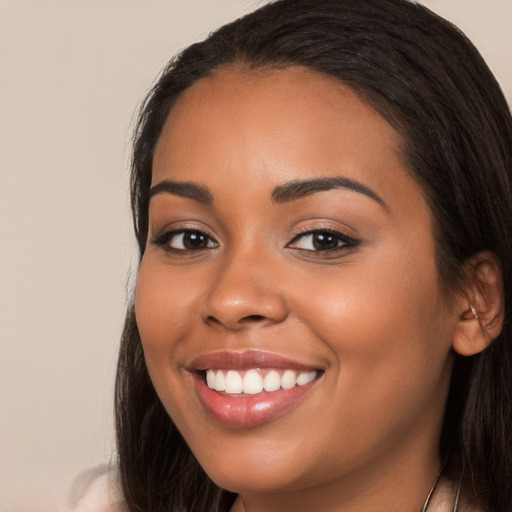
[480,307]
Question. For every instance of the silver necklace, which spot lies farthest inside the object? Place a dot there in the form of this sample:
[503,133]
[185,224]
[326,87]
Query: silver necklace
[431,493]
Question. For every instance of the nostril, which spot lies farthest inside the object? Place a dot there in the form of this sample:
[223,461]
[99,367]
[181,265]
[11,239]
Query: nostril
[212,320]
[252,318]
[244,320]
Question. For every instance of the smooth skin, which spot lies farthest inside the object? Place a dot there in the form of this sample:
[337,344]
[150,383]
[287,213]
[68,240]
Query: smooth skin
[366,307]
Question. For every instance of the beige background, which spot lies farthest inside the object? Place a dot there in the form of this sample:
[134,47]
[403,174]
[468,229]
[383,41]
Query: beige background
[71,75]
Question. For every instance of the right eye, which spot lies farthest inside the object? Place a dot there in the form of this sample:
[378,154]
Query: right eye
[185,240]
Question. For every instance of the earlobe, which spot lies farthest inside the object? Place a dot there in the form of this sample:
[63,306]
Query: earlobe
[481,307]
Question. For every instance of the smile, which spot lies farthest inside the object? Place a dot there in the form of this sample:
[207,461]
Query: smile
[250,388]
[256,380]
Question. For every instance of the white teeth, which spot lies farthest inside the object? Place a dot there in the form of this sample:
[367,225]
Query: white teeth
[220,382]
[289,379]
[253,383]
[233,382]
[210,379]
[272,381]
[305,377]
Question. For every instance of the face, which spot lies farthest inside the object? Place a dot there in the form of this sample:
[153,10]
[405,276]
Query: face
[292,316]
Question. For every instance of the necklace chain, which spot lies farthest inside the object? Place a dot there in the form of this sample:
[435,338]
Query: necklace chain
[431,493]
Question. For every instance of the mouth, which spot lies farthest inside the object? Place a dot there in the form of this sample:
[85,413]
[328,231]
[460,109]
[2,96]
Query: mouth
[256,380]
[251,388]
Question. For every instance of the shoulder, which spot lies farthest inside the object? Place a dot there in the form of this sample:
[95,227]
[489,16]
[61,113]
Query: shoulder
[96,490]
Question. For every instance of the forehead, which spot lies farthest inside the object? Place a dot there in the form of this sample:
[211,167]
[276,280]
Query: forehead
[276,125]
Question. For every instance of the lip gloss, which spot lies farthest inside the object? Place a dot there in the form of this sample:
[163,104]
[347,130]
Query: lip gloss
[248,410]
[245,410]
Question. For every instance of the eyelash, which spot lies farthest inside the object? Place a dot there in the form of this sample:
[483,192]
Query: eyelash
[343,241]
[165,239]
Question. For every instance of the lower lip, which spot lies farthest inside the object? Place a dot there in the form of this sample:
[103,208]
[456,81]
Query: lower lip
[249,410]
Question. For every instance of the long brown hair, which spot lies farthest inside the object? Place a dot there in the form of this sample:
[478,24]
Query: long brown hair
[431,84]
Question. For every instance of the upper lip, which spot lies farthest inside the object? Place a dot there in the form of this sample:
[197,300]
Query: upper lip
[230,360]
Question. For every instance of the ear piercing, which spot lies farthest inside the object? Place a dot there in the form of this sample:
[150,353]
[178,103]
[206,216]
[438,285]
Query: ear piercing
[471,308]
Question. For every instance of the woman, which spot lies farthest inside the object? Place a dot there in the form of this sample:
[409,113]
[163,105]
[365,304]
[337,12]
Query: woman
[322,202]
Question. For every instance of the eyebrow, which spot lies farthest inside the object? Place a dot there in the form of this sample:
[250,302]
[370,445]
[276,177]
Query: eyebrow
[284,193]
[183,189]
[301,188]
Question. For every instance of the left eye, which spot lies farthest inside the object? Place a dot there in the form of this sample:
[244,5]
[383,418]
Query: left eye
[186,240]
[322,241]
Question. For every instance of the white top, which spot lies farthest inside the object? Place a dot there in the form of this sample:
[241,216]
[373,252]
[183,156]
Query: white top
[96,490]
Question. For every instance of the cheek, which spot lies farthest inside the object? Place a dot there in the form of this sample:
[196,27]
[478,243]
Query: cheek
[390,341]
[386,324]
[164,301]
[163,304]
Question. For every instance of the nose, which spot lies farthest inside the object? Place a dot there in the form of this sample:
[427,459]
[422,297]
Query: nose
[244,293]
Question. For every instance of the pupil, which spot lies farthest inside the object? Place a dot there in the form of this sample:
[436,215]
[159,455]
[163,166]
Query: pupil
[324,241]
[194,240]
